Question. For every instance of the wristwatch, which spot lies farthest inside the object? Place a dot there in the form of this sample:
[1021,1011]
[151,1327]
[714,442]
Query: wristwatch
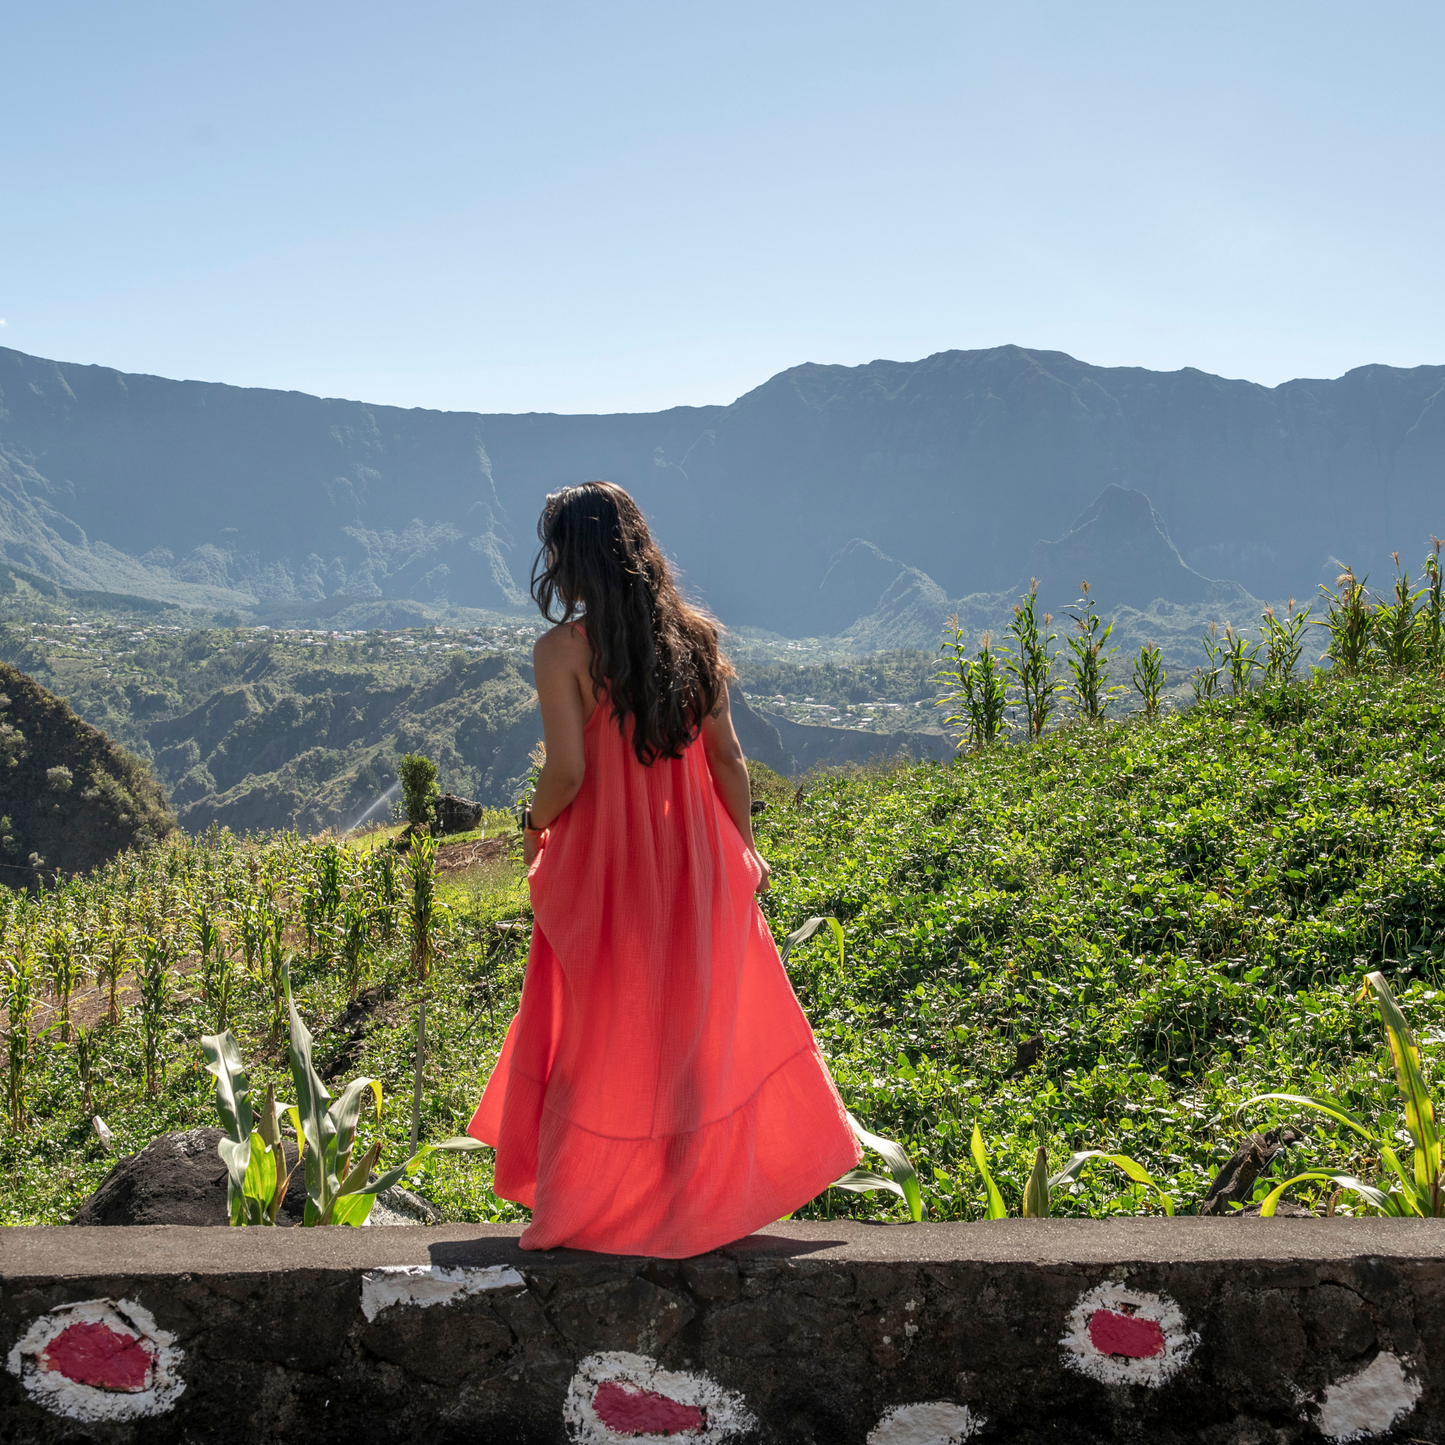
[527,822]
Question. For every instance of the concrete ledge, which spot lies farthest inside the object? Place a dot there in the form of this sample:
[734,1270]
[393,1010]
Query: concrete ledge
[1151,1330]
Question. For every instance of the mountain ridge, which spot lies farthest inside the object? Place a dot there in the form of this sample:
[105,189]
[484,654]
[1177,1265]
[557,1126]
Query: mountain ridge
[958,464]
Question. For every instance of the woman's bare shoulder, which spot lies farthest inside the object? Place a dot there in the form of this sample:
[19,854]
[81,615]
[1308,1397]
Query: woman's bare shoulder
[563,645]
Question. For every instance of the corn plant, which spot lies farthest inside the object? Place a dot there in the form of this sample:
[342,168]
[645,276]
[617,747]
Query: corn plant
[975,687]
[311,915]
[1149,677]
[1205,681]
[421,874]
[208,938]
[1089,663]
[384,889]
[114,954]
[1033,664]
[87,1057]
[221,986]
[808,928]
[1430,613]
[66,963]
[328,882]
[18,983]
[252,1151]
[255,920]
[537,760]
[354,943]
[278,965]
[1038,1192]
[1241,661]
[155,996]
[1283,643]
[339,1191]
[1350,621]
[1416,1192]
[901,1179]
[1397,634]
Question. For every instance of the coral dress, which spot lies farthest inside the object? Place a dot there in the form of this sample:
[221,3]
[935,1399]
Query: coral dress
[659,1091]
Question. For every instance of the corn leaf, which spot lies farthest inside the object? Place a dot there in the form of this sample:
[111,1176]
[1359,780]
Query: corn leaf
[233,1087]
[1130,1167]
[459,1144]
[1332,1107]
[801,935]
[1419,1112]
[360,1172]
[863,1181]
[1036,1191]
[1375,1198]
[346,1112]
[899,1166]
[1418,1199]
[311,1114]
[996,1208]
[260,1181]
[237,1159]
[352,1209]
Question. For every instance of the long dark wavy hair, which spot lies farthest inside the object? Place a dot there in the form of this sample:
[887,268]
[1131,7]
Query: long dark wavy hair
[657,655]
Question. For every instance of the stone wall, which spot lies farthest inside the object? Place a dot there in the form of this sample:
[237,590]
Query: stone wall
[1195,1330]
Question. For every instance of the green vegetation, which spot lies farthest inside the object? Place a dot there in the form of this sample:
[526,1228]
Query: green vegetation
[419,789]
[1102,943]
[69,799]
[338,1190]
[1177,911]
[1416,1193]
[257,729]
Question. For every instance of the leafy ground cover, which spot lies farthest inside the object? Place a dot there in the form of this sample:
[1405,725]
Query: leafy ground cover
[1106,939]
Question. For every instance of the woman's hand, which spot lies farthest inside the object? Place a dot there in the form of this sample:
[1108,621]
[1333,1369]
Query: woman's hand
[766,881]
[531,844]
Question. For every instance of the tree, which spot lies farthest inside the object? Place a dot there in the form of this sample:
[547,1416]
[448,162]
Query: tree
[418,788]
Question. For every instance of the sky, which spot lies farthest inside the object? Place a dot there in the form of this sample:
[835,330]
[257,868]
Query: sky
[625,207]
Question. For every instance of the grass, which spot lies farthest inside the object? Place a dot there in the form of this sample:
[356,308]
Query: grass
[1178,910]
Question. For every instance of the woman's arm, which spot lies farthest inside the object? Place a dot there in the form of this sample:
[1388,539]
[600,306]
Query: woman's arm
[555,662]
[730,774]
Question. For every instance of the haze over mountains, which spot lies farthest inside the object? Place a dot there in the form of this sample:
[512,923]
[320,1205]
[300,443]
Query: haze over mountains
[829,498]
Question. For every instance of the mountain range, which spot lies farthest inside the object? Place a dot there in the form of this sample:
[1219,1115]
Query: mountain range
[872,498]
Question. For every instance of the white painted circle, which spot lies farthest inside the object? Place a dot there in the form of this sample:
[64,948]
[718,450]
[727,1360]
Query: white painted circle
[151,1391]
[934,1422]
[609,1387]
[1121,1336]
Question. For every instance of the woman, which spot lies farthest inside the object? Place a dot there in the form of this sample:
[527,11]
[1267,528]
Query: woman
[659,1091]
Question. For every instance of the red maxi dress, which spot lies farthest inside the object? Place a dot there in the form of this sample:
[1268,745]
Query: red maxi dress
[659,1091]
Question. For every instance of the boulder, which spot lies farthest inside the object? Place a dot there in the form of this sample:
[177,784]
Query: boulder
[177,1179]
[457,815]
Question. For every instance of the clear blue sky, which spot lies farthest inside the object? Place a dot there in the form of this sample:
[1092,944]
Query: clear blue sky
[626,206]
